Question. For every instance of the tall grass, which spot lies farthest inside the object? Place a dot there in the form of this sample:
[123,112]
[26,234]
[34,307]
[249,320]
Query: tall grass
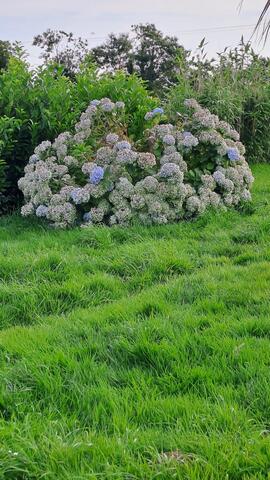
[236,87]
[137,353]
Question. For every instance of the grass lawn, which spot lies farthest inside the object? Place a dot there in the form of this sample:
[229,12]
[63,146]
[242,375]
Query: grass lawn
[139,353]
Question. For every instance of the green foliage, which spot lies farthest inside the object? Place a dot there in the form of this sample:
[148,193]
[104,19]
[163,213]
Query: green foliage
[137,353]
[115,53]
[9,129]
[9,50]
[44,103]
[151,54]
[118,87]
[52,100]
[41,102]
[236,88]
[62,49]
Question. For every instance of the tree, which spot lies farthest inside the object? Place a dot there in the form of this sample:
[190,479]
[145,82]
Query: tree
[115,54]
[7,50]
[62,49]
[152,55]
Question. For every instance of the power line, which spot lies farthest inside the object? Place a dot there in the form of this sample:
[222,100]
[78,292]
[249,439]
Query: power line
[194,30]
[218,29]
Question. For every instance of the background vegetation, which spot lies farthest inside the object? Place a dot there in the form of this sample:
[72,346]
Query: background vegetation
[142,69]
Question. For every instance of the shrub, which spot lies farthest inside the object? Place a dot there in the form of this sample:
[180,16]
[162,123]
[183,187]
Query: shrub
[98,176]
[46,103]
[129,89]
[40,102]
[9,128]
[236,88]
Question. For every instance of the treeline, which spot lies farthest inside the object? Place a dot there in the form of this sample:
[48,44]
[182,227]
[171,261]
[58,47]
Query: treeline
[142,69]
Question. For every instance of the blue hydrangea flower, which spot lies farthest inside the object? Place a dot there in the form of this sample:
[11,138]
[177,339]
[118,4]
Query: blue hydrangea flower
[168,140]
[158,111]
[34,158]
[41,211]
[96,175]
[123,145]
[233,154]
[75,195]
[153,113]
[95,103]
[87,217]
[169,170]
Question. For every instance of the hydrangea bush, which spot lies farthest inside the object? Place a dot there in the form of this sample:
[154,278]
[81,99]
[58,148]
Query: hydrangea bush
[97,175]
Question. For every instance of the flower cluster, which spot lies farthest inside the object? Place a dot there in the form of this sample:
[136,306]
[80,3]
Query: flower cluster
[91,178]
[154,113]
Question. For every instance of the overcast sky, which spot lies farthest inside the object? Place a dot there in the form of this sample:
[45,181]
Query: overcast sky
[190,20]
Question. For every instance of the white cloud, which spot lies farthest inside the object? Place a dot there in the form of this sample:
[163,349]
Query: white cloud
[189,7]
[22,19]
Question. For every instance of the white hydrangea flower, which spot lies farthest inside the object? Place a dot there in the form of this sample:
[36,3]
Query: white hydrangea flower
[70,161]
[193,205]
[104,156]
[42,147]
[148,185]
[27,209]
[138,202]
[125,187]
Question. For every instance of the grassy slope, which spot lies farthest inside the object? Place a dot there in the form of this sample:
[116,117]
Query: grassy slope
[118,345]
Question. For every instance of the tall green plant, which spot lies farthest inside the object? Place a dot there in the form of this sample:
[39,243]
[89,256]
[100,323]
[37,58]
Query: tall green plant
[119,86]
[42,102]
[236,88]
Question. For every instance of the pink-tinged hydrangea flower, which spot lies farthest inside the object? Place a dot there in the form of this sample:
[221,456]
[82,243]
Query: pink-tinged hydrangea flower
[191,103]
[27,209]
[146,160]
[104,156]
[126,157]
[42,147]
[148,116]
